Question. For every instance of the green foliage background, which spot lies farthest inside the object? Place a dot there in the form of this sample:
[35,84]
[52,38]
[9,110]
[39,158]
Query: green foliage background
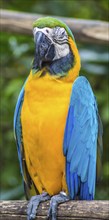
[17,52]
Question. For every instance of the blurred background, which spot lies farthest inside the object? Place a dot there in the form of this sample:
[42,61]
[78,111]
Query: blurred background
[17,54]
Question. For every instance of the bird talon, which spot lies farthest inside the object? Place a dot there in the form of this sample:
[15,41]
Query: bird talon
[54,202]
[34,203]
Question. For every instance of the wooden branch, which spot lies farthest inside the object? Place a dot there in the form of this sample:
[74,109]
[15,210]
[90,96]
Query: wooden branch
[16,210]
[83,30]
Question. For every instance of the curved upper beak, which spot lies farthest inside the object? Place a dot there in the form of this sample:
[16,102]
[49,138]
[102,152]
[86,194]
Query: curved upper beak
[44,49]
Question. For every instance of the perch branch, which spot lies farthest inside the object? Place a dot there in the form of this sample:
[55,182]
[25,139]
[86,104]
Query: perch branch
[92,210]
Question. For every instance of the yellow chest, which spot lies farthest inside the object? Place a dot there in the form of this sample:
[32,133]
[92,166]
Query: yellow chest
[43,118]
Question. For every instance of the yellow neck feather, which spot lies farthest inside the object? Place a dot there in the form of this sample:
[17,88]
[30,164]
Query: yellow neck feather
[74,71]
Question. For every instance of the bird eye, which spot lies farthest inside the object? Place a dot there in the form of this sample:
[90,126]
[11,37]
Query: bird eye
[60,35]
[63,33]
[59,32]
[47,30]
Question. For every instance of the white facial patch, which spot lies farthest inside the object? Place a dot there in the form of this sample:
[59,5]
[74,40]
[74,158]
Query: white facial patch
[58,37]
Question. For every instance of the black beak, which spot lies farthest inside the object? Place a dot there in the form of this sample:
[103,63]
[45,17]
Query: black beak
[44,50]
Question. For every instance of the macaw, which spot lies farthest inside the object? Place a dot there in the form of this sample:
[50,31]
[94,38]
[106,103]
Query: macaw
[57,126]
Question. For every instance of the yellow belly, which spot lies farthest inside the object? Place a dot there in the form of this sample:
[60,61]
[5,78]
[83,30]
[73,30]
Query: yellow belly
[43,118]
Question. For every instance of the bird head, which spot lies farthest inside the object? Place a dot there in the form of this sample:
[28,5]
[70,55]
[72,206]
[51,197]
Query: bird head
[55,48]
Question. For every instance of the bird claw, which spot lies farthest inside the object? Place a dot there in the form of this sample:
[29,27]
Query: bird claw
[34,203]
[54,202]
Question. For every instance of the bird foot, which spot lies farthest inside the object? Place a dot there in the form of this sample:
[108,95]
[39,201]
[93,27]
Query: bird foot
[54,202]
[34,203]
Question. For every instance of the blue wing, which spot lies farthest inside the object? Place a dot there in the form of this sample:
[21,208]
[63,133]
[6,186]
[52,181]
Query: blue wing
[17,127]
[80,141]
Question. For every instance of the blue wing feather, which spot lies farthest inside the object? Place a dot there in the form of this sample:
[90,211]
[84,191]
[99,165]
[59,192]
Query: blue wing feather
[69,128]
[80,141]
[17,126]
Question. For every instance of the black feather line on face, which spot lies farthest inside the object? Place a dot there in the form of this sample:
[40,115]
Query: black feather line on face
[62,65]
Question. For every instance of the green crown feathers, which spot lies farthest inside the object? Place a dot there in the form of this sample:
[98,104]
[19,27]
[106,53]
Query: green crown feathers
[51,23]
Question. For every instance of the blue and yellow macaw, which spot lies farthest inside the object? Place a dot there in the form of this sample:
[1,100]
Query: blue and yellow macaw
[56,122]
